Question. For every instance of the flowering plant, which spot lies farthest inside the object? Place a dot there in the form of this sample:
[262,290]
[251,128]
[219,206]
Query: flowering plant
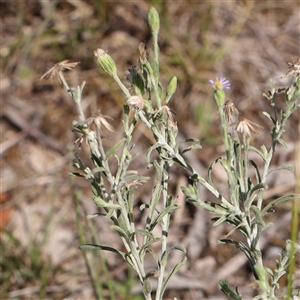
[244,209]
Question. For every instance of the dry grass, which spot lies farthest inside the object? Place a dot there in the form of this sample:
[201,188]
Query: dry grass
[248,42]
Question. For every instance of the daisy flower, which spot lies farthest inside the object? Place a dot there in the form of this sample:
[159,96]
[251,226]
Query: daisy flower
[220,84]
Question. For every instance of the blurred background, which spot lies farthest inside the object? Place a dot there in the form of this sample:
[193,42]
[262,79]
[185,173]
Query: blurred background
[249,42]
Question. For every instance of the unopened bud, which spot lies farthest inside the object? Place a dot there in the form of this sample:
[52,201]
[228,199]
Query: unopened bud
[153,20]
[171,88]
[106,62]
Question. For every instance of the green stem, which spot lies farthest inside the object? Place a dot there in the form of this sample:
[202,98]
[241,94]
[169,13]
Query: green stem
[156,48]
[121,85]
[228,151]
[246,161]
[76,197]
[165,228]
[294,222]
[74,94]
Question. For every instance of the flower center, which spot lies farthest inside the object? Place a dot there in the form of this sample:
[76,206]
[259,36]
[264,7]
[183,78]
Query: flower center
[218,85]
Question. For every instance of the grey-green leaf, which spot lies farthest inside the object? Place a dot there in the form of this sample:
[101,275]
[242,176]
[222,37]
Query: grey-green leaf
[94,215]
[114,148]
[100,247]
[277,201]
[173,271]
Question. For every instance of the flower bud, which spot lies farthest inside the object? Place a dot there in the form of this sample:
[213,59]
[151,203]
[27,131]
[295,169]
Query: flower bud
[153,20]
[106,62]
[171,88]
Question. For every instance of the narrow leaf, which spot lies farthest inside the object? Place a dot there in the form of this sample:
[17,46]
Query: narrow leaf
[75,174]
[258,178]
[98,170]
[114,148]
[148,154]
[282,142]
[256,187]
[100,247]
[168,251]
[192,147]
[264,151]
[260,225]
[145,233]
[277,201]
[94,215]
[210,206]
[150,251]
[210,171]
[163,213]
[101,203]
[137,178]
[121,231]
[269,117]
[228,292]
[220,220]
[194,140]
[173,271]
[145,248]
[289,168]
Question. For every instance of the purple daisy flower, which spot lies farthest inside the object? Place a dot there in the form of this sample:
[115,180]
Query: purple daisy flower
[220,84]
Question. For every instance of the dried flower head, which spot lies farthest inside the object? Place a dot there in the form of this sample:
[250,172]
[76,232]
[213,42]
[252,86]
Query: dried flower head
[87,136]
[246,127]
[58,68]
[134,80]
[230,110]
[136,102]
[129,75]
[143,52]
[99,121]
[294,68]
[220,84]
[135,182]
[86,133]
[167,114]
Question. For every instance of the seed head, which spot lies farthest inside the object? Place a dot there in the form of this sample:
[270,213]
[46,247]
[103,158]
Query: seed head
[136,102]
[167,114]
[55,71]
[230,110]
[294,68]
[143,52]
[99,121]
[246,127]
